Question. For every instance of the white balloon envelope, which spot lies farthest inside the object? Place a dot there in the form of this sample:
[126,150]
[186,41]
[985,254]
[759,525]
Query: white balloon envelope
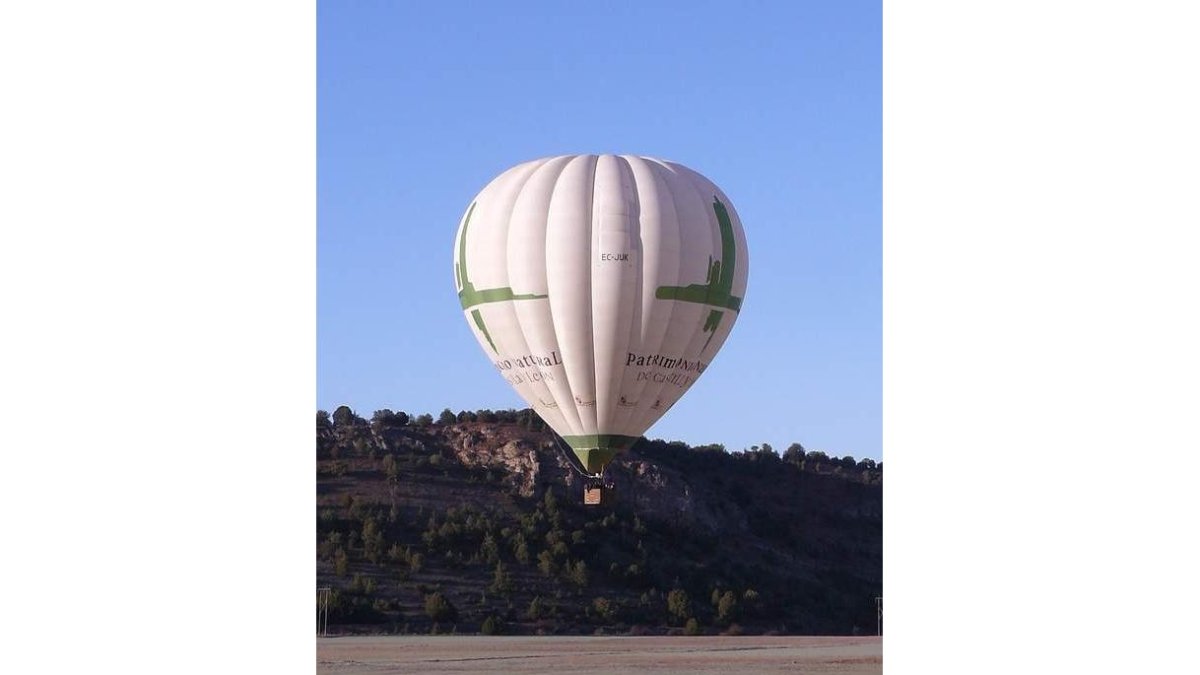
[601,287]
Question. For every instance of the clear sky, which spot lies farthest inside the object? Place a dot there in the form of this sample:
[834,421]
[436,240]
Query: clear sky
[779,103]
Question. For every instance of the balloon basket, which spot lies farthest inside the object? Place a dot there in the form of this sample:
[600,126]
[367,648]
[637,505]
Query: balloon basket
[593,495]
[597,490]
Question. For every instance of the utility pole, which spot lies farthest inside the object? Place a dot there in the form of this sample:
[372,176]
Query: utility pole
[323,610]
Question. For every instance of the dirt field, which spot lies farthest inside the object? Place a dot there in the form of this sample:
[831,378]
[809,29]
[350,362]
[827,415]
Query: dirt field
[554,655]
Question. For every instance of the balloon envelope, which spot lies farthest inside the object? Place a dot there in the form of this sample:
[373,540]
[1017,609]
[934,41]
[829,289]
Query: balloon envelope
[600,287]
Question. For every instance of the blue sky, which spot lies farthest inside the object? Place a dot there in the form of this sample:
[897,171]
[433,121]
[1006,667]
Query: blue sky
[779,103]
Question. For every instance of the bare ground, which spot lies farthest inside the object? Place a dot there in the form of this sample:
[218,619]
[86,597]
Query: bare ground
[553,655]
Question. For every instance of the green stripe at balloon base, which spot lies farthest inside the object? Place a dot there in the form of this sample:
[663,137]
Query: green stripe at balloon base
[595,451]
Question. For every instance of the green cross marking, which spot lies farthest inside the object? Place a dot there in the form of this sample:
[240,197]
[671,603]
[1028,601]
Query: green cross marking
[469,296]
[718,289]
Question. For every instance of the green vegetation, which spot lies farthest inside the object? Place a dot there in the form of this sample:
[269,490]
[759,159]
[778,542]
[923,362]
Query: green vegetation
[427,527]
[678,606]
[439,608]
[492,625]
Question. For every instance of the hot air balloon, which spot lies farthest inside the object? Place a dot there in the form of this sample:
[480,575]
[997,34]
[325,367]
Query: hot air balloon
[601,287]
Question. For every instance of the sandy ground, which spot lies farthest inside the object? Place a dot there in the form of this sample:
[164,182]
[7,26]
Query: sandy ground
[546,655]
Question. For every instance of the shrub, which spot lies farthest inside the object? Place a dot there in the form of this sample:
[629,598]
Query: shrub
[537,609]
[501,582]
[362,585]
[491,626]
[603,608]
[678,605]
[692,627]
[397,554]
[439,608]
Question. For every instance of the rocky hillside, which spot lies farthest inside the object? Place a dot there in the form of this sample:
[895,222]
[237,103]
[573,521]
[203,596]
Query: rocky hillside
[474,523]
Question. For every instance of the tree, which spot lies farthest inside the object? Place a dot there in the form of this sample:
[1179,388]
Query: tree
[763,453]
[439,608]
[815,459]
[344,417]
[639,527]
[384,419]
[397,554]
[362,585]
[521,549]
[679,607]
[501,581]
[749,602]
[579,573]
[488,549]
[423,420]
[390,469]
[603,608]
[333,541]
[447,417]
[537,609]
[372,538]
[726,607]
[546,563]
[794,454]
[326,442]
[492,625]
